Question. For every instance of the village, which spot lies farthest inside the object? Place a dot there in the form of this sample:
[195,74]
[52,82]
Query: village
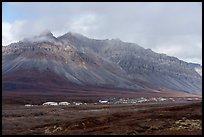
[118,101]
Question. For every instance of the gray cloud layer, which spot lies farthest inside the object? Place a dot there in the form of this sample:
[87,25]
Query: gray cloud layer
[171,28]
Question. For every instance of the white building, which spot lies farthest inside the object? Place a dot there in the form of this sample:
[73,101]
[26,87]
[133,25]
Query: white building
[153,99]
[50,104]
[103,101]
[28,105]
[161,99]
[77,103]
[64,103]
[189,99]
[142,99]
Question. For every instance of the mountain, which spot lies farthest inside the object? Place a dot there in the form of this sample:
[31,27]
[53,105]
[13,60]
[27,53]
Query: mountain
[196,67]
[75,60]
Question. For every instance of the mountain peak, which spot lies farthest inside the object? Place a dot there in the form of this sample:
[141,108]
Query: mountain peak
[73,34]
[46,33]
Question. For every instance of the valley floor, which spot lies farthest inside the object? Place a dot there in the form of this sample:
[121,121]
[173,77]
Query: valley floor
[116,119]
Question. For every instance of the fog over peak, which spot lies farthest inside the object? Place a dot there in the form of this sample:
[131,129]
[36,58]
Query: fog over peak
[171,28]
[46,33]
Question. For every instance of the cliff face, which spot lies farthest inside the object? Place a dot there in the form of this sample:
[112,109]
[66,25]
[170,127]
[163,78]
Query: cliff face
[76,59]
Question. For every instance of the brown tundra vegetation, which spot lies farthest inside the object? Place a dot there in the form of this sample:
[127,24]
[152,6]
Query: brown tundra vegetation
[104,119]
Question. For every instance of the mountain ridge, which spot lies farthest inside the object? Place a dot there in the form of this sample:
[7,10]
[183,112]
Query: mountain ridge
[108,63]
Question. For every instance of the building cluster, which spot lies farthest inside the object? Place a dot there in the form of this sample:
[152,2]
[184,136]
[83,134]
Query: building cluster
[143,100]
[58,104]
[119,101]
[134,100]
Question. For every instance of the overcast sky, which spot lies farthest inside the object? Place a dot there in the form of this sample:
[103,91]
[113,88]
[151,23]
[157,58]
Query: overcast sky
[171,28]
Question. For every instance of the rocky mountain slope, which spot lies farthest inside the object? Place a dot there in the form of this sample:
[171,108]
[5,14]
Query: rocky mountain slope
[73,59]
[197,67]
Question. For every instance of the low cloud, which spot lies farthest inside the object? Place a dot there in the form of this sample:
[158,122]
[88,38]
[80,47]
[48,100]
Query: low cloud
[171,28]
